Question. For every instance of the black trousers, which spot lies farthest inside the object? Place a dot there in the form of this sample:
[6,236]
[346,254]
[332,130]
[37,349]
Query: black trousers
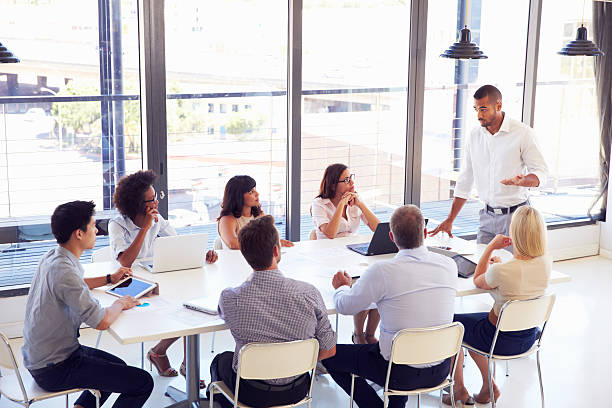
[96,369]
[253,392]
[366,361]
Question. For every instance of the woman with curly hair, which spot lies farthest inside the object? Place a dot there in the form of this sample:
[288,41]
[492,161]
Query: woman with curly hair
[240,206]
[132,235]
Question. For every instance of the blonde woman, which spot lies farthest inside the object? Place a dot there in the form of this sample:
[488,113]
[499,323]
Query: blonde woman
[524,277]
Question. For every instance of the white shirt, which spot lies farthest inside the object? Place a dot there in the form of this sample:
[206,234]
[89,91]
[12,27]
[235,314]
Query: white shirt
[323,211]
[488,159]
[122,232]
[415,289]
[518,279]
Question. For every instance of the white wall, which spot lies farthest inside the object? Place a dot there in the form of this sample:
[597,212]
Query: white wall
[12,313]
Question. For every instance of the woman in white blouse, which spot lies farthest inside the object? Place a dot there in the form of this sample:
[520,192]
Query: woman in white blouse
[132,235]
[524,277]
[337,212]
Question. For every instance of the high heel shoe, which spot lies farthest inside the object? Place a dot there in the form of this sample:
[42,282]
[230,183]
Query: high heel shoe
[154,361]
[183,371]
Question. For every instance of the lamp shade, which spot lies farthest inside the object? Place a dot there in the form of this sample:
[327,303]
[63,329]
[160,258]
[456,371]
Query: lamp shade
[465,48]
[581,45]
[6,56]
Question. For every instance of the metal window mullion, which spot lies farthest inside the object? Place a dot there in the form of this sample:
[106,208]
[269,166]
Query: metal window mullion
[153,94]
[416,96]
[531,61]
[294,119]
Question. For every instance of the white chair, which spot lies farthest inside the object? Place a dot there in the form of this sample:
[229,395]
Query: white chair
[423,346]
[103,254]
[218,245]
[266,361]
[19,386]
[519,315]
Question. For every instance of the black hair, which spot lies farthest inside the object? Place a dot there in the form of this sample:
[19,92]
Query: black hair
[130,192]
[488,90]
[233,197]
[329,184]
[257,240]
[70,217]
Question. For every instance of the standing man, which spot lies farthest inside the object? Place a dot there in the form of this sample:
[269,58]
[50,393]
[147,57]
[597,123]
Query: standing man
[502,158]
[59,301]
[415,289]
[269,308]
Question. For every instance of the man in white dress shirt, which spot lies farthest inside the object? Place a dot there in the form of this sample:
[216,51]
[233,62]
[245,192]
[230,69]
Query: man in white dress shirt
[503,160]
[416,288]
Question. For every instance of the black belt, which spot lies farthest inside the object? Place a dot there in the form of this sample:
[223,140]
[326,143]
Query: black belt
[504,210]
[264,386]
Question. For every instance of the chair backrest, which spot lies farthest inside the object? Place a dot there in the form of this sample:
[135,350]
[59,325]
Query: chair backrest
[427,345]
[218,244]
[103,254]
[8,360]
[266,361]
[524,314]
[313,235]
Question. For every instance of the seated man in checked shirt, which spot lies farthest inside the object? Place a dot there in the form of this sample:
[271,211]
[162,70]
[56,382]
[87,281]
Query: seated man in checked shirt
[269,308]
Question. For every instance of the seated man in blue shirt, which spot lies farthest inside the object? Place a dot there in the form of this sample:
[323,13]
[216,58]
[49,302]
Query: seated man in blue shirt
[269,308]
[415,289]
[59,301]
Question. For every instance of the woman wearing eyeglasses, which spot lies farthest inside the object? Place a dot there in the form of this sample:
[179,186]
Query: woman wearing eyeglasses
[240,205]
[337,212]
[132,235]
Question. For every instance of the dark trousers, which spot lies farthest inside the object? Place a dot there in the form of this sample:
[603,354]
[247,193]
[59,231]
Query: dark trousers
[96,369]
[253,392]
[366,361]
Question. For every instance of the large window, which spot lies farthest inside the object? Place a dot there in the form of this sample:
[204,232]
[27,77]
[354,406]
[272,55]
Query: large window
[354,99]
[566,114]
[69,117]
[500,29]
[226,106]
[69,112]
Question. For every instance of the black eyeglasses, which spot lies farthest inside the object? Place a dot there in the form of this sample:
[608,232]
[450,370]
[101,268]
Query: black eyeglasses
[152,200]
[347,180]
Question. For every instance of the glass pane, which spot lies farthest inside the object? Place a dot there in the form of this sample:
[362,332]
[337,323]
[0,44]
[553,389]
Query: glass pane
[226,106]
[354,100]
[500,30]
[69,116]
[566,112]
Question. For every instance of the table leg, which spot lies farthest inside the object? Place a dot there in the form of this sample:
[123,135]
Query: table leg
[191,398]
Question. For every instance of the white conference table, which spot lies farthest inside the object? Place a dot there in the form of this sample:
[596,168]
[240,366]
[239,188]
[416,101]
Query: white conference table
[311,261]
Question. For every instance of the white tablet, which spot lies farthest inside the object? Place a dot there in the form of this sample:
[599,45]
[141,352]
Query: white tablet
[132,286]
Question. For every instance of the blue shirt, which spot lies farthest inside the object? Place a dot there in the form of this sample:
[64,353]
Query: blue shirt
[415,289]
[58,302]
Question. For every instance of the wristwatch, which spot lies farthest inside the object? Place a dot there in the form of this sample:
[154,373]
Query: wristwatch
[108,279]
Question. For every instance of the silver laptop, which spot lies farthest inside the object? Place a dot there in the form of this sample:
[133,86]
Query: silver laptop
[177,252]
[206,304]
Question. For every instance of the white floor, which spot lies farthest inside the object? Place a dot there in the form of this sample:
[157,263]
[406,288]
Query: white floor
[575,354]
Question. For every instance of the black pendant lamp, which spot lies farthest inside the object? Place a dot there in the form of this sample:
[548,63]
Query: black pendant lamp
[581,45]
[6,56]
[464,48]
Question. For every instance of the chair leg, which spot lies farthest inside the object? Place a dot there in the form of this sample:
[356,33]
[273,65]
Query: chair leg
[67,401]
[489,362]
[99,337]
[352,389]
[452,395]
[212,343]
[418,400]
[540,377]
[142,354]
[507,368]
